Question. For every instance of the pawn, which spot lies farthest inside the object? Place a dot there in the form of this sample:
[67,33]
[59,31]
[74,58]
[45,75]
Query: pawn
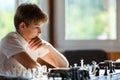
[75,64]
[105,74]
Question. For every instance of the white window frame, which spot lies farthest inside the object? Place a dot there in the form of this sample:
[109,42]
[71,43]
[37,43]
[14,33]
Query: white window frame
[62,44]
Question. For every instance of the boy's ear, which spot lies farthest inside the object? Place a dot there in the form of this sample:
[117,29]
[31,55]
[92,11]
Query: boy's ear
[21,25]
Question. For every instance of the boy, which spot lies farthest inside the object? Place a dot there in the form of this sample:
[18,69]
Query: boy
[24,48]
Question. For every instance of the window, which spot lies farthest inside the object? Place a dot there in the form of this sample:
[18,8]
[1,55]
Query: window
[90,20]
[6,16]
[87,24]
[7,10]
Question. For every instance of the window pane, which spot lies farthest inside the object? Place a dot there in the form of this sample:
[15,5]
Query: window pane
[6,16]
[90,20]
[30,1]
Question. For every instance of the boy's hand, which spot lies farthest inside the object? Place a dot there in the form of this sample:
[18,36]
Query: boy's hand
[35,43]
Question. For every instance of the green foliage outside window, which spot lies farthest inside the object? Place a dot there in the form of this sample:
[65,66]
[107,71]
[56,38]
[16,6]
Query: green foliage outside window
[89,20]
[6,22]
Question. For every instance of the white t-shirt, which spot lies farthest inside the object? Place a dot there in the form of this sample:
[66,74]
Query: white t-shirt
[13,44]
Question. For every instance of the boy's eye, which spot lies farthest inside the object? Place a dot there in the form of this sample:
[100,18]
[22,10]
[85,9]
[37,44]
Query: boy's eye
[36,27]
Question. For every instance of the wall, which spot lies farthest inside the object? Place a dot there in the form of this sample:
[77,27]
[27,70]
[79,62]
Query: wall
[113,55]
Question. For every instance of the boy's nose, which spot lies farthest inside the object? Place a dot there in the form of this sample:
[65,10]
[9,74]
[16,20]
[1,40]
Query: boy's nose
[39,29]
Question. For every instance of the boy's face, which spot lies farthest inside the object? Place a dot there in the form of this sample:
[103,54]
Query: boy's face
[31,31]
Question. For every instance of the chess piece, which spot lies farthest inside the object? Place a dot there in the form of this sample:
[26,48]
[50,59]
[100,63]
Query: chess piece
[74,73]
[97,71]
[75,64]
[105,73]
[111,67]
[28,73]
[83,75]
[94,67]
[82,63]
[86,75]
[14,70]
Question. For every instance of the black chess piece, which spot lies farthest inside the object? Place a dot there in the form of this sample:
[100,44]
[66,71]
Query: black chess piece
[87,76]
[111,67]
[105,73]
[75,73]
[82,75]
[97,71]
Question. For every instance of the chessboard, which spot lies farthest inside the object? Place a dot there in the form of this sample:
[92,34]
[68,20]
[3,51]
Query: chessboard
[85,72]
[96,71]
[65,74]
[109,76]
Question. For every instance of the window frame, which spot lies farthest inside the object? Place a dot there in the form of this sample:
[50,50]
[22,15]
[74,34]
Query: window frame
[62,44]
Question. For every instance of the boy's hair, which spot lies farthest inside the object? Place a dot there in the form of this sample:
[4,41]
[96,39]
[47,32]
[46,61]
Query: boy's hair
[28,13]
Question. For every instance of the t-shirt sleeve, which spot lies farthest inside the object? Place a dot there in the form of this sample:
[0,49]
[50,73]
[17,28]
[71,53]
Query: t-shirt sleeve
[10,46]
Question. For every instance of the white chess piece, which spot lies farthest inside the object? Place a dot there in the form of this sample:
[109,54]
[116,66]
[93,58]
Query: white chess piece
[24,73]
[14,71]
[94,67]
[34,76]
[82,63]
[75,64]
[29,73]
[44,68]
[8,73]
[19,73]
[44,71]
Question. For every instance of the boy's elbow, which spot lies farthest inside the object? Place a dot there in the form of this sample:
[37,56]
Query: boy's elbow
[65,65]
